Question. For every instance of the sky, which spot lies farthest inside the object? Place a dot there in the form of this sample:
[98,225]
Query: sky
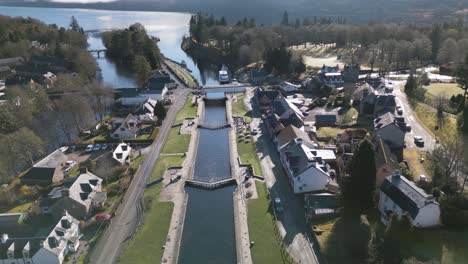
[82,1]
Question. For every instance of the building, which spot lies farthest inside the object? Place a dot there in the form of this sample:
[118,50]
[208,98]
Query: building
[387,128]
[258,76]
[319,205]
[122,153]
[290,133]
[289,87]
[146,110]
[47,171]
[288,113]
[385,161]
[330,75]
[351,72]
[158,81]
[306,166]
[20,246]
[326,121]
[265,98]
[400,196]
[129,127]
[78,199]
[134,96]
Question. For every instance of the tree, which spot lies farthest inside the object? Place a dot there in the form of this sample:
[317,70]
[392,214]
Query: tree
[397,239]
[411,85]
[160,111]
[448,52]
[436,38]
[462,80]
[285,19]
[358,189]
[74,25]
[142,69]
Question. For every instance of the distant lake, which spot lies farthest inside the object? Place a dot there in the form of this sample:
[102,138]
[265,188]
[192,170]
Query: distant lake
[169,27]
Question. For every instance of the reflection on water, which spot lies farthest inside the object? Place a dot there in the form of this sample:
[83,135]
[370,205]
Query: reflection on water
[169,27]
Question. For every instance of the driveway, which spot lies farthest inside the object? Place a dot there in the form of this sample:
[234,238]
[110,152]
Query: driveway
[128,215]
[292,225]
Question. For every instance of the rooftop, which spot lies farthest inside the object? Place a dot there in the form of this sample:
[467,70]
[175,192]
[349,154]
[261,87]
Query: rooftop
[53,160]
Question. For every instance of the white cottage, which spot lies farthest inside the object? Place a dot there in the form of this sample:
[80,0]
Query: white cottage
[401,196]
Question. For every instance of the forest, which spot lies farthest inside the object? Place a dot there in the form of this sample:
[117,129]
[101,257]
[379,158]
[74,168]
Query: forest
[32,124]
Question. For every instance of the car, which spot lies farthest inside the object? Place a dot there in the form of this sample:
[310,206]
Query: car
[63,149]
[419,141]
[422,178]
[408,128]
[277,204]
[102,217]
[72,148]
[89,148]
[69,165]
[97,147]
[399,110]
[254,131]
[104,146]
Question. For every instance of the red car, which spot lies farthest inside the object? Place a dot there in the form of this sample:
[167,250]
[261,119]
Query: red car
[102,217]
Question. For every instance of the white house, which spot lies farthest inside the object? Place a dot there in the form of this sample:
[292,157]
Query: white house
[305,166]
[146,110]
[21,248]
[401,196]
[289,87]
[125,128]
[121,153]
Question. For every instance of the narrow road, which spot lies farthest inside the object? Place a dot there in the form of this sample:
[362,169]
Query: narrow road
[127,217]
[297,235]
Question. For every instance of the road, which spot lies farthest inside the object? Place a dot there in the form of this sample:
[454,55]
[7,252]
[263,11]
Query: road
[127,217]
[416,128]
[292,225]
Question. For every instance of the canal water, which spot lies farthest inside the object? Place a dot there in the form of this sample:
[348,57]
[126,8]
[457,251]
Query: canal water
[209,230]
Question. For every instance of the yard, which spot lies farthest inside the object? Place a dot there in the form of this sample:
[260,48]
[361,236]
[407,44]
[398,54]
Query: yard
[446,90]
[418,168]
[248,155]
[239,109]
[328,132]
[349,118]
[262,229]
[188,111]
[176,143]
[428,118]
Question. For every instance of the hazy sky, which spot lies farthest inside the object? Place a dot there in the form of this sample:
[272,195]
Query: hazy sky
[82,1]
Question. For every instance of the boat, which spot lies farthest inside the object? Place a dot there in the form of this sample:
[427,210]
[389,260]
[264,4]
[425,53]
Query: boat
[223,77]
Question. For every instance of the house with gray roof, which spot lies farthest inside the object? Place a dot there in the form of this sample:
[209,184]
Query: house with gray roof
[290,133]
[307,167]
[47,171]
[288,113]
[26,244]
[388,129]
[78,199]
[401,196]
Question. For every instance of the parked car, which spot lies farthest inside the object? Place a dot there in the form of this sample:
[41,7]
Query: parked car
[104,146]
[102,217]
[422,178]
[72,148]
[419,141]
[277,205]
[399,110]
[408,128]
[254,131]
[64,149]
[89,148]
[69,165]
[97,147]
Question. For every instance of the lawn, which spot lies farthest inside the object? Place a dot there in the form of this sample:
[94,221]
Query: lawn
[239,109]
[262,229]
[182,74]
[248,155]
[446,90]
[20,208]
[350,117]
[163,163]
[147,244]
[328,132]
[176,143]
[188,111]
[428,118]
[411,155]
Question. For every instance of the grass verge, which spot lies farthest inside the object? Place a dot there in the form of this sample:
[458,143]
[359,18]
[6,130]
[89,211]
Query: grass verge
[248,155]
[262,229]
[176,143]
[239,109]
[188,111]
[163,163]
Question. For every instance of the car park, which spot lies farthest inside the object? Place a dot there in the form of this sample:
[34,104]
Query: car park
[89,148]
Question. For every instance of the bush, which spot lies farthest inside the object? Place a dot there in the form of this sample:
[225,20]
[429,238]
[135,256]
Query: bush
[454,212]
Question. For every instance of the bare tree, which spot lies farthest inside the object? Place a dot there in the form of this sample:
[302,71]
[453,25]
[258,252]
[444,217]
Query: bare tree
[448,159]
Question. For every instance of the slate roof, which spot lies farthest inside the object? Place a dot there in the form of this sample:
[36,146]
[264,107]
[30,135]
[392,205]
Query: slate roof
[11,61]
[84,188]
[271,94]
[36,174]
[387,100]
[384,120]
[291,132]
[53,160]
[383,155]
[258,73]
[157,81]
[406,194]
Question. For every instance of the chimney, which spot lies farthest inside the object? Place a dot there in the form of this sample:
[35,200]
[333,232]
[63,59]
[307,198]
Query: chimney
[83,170]
[26,251]
[4,238]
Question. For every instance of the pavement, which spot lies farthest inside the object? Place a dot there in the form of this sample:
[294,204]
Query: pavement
[128,215]
[298,238]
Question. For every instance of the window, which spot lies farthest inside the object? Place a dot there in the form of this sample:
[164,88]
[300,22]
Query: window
[116,135]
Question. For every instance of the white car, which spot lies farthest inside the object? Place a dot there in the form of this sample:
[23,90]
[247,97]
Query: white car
[422,178]
[419,141]
[69,165]
[97,147]
[63,149]
[89,148]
